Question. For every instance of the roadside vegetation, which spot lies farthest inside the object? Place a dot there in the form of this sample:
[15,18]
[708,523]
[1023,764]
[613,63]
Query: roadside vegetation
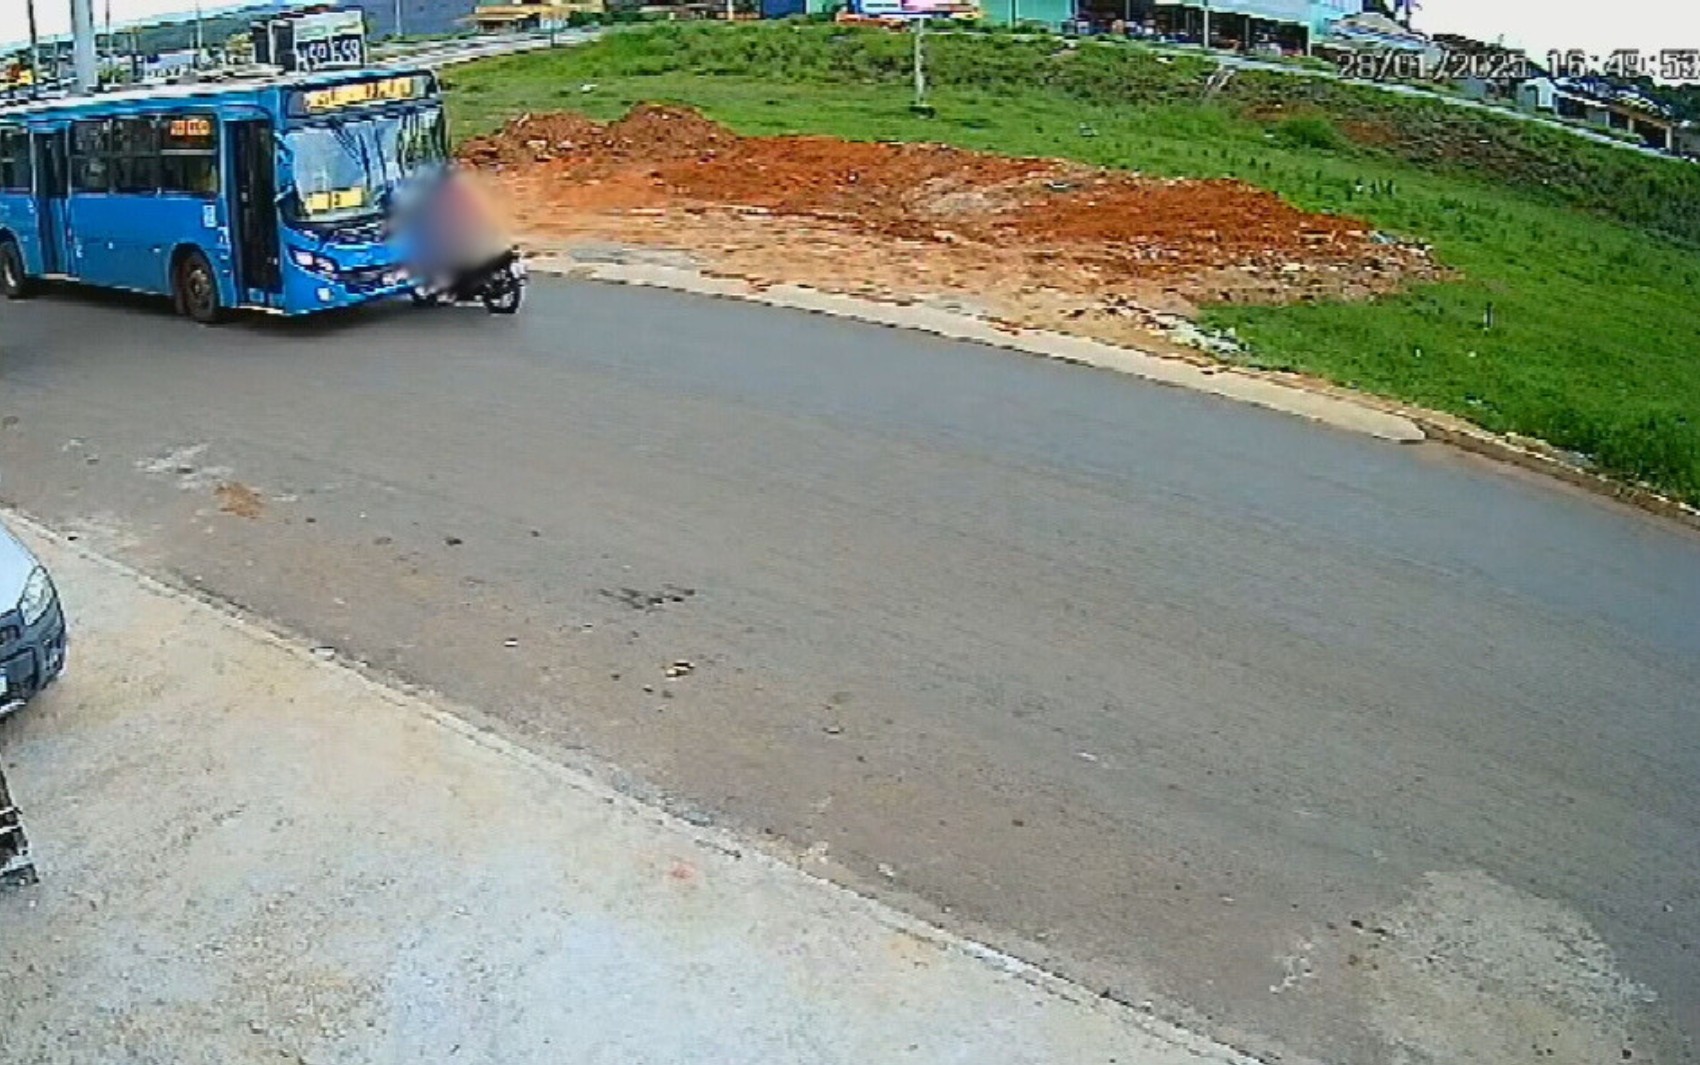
[1576,313]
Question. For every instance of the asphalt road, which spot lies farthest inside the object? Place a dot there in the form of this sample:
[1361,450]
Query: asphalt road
[449,52]
[1333,747]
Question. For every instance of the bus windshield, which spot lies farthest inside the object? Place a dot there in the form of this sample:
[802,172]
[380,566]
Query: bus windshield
[350,168]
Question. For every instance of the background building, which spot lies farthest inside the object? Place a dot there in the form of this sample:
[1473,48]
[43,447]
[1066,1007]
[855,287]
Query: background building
[515,15]
[1244,21]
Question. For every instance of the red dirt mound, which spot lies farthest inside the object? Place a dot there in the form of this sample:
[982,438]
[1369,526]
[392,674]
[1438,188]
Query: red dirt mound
[920,213]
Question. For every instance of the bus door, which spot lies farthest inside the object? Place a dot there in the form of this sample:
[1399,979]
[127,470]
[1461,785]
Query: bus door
[255,192]
[52,188]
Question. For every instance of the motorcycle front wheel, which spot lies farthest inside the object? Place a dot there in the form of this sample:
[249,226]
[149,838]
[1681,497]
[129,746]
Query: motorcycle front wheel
[503,296]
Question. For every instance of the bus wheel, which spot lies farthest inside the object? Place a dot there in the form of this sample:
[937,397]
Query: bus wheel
[197,289]
[13,282]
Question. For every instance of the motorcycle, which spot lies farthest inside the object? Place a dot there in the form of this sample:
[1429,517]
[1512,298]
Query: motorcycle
[16,868]
[498,283]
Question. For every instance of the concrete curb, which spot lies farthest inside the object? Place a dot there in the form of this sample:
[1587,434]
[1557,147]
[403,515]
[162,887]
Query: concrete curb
[1289,394]
[1227,382]
[1537,457]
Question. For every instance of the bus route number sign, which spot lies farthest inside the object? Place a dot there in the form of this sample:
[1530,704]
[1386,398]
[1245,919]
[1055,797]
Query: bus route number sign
[346,50]
[330,200]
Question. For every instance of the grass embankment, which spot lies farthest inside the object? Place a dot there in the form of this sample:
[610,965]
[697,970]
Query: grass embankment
[1586,258]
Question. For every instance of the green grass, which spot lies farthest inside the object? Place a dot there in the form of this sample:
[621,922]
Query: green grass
[1587,256]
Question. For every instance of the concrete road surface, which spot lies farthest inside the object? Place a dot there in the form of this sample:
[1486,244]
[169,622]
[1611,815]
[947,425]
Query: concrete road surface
[1334,748]
[229,877]
[450,52]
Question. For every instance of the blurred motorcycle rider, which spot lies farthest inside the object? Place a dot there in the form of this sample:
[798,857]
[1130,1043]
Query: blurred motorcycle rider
[453,229]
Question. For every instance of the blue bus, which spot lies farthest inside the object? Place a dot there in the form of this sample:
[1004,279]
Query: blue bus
[272,193]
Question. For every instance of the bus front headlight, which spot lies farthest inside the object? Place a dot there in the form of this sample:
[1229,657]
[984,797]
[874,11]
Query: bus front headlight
[312,263]
[37,597]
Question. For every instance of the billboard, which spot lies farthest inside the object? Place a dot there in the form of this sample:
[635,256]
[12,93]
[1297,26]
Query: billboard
[311,40]
[912,8]
[330,38]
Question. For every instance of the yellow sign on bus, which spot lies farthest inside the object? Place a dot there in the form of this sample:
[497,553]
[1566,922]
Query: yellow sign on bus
[191,128]
[337,97]
[334,200]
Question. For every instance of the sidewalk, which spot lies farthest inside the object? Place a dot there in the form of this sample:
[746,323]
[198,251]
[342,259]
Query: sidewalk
[252,855]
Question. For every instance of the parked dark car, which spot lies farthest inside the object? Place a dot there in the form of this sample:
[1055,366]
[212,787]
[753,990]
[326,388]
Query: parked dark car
[32,626]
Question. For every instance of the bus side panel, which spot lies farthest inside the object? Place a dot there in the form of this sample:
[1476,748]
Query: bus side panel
[128,241]
[18,220]
[175,220]
[96,221]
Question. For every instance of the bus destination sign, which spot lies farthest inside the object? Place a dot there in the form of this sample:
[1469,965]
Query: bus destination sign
[191,128]
[362,94]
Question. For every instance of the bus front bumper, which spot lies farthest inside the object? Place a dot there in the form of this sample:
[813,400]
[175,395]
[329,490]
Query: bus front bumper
[346,288]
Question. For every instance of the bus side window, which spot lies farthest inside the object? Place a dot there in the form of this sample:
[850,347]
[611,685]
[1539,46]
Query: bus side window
[189,155]
[135,155]
[91,163]
[196,175]
[14,161]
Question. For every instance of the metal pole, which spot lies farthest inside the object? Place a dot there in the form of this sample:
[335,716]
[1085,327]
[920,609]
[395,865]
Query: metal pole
[82,45]
[35,53]
[920,64]
[398,18]
[1207,23]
